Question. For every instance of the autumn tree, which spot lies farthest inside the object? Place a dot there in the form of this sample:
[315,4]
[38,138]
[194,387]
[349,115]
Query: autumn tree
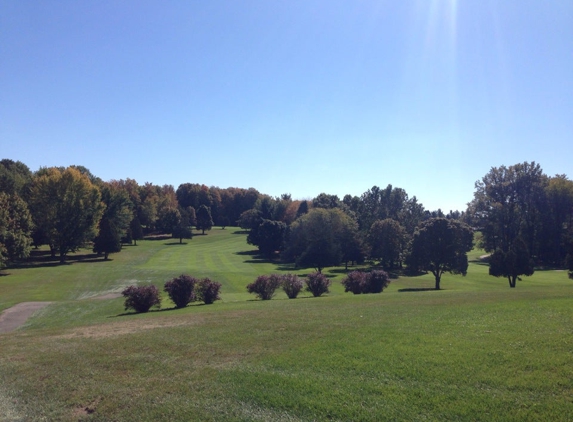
[68,208]
[440,245]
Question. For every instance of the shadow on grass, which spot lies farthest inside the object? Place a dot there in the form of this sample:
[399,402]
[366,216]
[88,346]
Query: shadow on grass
[45,260]
[241,232]
[158,237]
[175,243]
[420,289]
[152,311]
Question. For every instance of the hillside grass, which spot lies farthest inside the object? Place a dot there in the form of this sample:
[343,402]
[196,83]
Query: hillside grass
[476,350]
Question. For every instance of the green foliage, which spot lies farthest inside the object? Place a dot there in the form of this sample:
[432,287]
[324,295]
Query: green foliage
[387,240]
[441,245]
[141,298]
[14,176]
[136,231]
[265,286]
[108,239]
[67,207]
[204,220]
[511,264]
[250,219]
[321,238]
[181,290]
[268,236]
[15,228]
[317,283]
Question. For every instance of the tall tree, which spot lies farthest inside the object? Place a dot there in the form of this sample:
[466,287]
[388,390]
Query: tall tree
[441,245]
[316,239]
[387,240]
[135,230]
[14,175]
[204,220]
[15,228]
[508,203]
[268,237]
[68,207]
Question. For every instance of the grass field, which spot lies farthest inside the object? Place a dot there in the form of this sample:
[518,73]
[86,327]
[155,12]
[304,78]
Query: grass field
[476,350]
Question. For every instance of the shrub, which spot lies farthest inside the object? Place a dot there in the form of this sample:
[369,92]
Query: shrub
[377,281]
[264,286]
[317,283]
[208,291]
[360,282]
[141,298]
[355,282]
[181,290]
[292,285]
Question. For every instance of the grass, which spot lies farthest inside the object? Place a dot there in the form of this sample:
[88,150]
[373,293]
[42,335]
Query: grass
[476,350]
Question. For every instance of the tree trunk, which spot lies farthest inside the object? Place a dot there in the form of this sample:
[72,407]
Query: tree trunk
[180,240]
[134,242]
[105,255]
[512,280]
[438,278]
[62,258]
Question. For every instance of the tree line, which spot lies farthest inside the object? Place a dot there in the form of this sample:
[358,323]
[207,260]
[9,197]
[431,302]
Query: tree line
[524,219]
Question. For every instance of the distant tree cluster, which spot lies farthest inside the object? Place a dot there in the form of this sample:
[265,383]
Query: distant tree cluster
[524,216]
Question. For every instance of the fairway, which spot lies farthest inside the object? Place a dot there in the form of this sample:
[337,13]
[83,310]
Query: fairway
[476,350]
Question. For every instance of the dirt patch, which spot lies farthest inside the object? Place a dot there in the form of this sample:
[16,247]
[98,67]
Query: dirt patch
[17,315]
[128,327]
[106,296]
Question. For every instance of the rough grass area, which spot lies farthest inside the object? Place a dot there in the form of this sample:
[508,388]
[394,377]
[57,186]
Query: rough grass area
[476,350]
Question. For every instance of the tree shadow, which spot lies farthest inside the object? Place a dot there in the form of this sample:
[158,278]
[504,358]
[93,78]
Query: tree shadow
[419,289]
[241,232]
[45,260]
[158,237]
[175,243]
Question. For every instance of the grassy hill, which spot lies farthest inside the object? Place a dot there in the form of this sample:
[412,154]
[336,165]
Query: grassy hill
[475,350]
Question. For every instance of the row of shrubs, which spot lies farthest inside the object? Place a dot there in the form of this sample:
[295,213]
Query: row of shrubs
[185,289]
[357,282]
[182,290]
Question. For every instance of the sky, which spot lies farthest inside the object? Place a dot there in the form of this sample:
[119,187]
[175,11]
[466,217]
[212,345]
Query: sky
[298,97]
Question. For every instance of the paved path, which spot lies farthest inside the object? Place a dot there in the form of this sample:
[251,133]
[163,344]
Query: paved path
[17,315]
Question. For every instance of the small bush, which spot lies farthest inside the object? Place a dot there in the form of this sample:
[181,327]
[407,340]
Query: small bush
[208,291]
[355,282]
[264,286]
[292,285]
[378,280]
[317,283]
[359,282]
[181,290]
[141,298]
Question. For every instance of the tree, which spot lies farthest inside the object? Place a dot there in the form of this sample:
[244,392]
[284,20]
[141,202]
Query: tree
[317,239]
[169,220]
[204,220]
[250,219]
[183,228]
[511,264]
[268,237]
[136,231]
[14,175]
[440,245]
[115,221]
[508,204]
[68,208]
[387,240]
[15,228]
[108,240]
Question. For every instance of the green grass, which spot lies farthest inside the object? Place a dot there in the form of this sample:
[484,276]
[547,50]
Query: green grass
[476,350]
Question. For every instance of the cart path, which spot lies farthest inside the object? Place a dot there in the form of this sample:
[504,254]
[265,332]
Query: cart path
[17,315]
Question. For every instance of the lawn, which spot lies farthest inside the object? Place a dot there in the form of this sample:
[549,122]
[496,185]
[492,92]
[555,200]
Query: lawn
[476,350]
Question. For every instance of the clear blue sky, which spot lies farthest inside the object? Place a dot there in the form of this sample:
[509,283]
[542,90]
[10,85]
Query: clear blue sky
[290,96]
